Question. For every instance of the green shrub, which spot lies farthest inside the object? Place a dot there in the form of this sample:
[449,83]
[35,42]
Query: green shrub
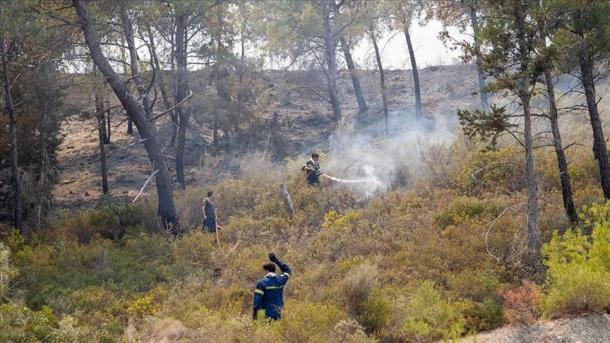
[479,289]
[489,171]
[99,307]
[309,322]
[462,209]
[148,304]
[7,271]
[20,324]
[350,331]
[375,312]
[483,316]
[192,253]
[579,268]
[429,315]
[109,219]
[357,287]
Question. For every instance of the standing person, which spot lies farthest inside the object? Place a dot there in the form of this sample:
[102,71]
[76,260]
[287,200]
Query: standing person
[312,169]
[209,213]
[269,292]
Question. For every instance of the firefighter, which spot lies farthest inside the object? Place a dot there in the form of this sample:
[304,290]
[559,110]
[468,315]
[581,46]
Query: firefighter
[312,169]
[269,292]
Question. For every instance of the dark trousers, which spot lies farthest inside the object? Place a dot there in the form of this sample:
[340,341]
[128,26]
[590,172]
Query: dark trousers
[209,224]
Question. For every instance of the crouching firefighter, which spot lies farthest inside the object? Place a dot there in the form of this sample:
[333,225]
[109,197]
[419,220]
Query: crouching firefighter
[312,169]
[269,292]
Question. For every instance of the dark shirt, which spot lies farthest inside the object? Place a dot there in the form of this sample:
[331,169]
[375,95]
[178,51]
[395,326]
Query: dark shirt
[312,171]
[209,209]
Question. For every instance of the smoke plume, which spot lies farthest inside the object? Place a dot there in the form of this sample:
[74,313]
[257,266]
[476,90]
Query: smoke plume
[369,162]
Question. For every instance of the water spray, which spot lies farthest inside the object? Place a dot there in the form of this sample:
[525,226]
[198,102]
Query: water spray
[367,180]
[371,182]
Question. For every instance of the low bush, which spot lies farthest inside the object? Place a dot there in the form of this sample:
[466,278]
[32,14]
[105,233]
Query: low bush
[428,315]
[579,267]
[350,331]
[463,209]
[490,171]
[7,271]
[521,304]
[363,300]
[309,322]
[20,324]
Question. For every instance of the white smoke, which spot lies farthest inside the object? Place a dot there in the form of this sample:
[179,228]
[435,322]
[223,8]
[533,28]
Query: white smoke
[369,162]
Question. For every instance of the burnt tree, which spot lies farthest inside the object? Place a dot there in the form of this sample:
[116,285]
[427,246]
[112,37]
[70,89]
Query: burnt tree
[353,73]
[166,208]
[384,97]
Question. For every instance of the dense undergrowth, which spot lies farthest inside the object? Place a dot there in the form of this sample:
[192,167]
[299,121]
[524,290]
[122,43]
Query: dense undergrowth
[438,260]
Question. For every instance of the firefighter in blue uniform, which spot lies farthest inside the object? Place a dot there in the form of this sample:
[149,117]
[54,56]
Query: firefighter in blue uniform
[269,292]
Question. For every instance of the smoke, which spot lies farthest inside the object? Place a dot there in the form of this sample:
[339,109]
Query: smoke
[365,159]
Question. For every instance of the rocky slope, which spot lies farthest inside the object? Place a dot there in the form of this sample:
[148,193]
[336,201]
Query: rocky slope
[591,328]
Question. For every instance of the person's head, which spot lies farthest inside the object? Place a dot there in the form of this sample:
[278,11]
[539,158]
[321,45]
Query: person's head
[210,194]
[315,156]
[269,268]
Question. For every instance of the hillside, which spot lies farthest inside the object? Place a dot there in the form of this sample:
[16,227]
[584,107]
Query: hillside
[431,249]
[301,112]
[238,171]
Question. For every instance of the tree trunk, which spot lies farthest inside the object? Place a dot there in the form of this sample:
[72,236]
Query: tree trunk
[161,82]
[107,122]
[133,58]
[566,184]
[384,98]
[353,73]
[103,166]
[99,116]
[215,129]
[599,143]
[533,231]
[330,45]
[242,56]
[418,105]
[172,64]
[475,28]
[44,165]
[181,90]
[12,119]
[166,208]
[125,73]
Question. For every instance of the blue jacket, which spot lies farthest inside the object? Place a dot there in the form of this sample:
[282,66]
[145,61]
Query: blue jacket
[269,293]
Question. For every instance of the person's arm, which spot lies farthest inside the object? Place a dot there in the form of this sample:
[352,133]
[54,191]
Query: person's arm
[203,209]
[308,166]
[257,302]
[283,267]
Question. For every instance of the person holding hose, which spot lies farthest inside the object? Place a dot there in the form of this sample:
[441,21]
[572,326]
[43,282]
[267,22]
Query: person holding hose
[312,169]
[269,291]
